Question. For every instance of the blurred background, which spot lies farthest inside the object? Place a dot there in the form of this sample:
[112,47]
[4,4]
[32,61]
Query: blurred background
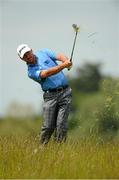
[94,77]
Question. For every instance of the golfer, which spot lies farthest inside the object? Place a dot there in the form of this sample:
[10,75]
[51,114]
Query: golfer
[44,69]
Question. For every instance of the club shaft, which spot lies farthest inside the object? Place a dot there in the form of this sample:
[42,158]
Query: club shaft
[73,46]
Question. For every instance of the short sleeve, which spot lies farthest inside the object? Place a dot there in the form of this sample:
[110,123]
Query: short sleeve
[51,54]
[34,74]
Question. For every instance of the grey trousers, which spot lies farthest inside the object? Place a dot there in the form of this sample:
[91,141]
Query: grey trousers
[56,109]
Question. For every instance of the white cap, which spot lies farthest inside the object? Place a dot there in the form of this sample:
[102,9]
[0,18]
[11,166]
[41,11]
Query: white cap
[22,49]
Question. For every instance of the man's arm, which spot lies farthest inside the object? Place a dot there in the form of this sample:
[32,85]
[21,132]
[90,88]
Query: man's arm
[65,64]
[62,58]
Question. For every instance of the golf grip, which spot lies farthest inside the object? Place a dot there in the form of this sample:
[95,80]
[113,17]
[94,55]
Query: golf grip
[73,49]
[70,67]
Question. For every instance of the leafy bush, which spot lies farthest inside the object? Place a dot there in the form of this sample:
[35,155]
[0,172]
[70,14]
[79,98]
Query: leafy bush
[108,114]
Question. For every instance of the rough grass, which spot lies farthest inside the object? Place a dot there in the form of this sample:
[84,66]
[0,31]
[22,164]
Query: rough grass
[81,157]
[21,157]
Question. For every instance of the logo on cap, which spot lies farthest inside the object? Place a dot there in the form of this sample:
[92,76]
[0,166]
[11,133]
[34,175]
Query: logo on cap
[22,49]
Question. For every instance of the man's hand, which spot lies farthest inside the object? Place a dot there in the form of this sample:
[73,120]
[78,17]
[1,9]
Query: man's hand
[65,60]
[66,64]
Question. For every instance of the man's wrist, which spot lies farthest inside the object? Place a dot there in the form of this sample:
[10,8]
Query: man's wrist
[61,66]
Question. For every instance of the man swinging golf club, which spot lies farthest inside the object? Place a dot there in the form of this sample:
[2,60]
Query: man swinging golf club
[43,68]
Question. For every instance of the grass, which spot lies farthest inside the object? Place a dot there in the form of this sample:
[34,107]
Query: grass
[87,154]
[21,157]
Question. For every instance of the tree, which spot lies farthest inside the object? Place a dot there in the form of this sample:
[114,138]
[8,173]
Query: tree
[88,78]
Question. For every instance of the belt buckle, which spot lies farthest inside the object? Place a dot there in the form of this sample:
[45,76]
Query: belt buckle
[59,89]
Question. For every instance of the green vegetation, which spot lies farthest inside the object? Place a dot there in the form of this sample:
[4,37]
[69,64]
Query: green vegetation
[21,157]
[92,148]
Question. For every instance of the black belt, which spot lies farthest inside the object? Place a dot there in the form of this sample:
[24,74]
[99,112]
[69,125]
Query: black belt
[61,88]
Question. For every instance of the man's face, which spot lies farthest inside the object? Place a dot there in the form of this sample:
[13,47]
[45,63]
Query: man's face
[29,57]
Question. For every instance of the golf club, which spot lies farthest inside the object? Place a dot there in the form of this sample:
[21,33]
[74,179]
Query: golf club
[76,29]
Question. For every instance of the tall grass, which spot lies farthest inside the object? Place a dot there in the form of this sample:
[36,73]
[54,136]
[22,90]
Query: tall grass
[85,155]
[21,157]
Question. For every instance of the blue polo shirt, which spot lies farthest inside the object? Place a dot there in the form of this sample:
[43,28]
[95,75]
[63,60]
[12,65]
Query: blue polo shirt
[46,59]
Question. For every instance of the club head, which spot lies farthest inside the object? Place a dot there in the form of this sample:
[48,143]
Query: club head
[75,27]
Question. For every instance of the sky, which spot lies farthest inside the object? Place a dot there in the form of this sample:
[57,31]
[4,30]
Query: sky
[48,24]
